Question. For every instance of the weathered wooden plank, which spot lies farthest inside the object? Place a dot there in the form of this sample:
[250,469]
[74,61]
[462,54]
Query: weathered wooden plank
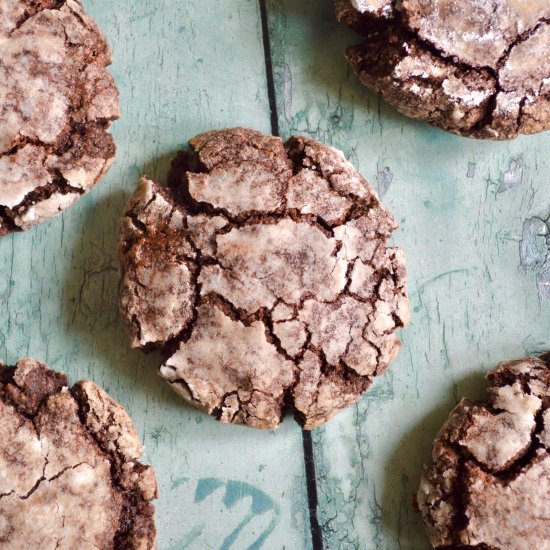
[183,68]
[462,205]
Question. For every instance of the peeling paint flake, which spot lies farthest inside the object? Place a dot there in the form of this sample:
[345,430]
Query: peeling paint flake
[543,283]
[384,179]
[534,244]
[287,93]
[534,252]
[513,177]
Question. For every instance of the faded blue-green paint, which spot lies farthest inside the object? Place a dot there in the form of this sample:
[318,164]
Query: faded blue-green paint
[179,481]
[206,487]
[188,540]
[258,503]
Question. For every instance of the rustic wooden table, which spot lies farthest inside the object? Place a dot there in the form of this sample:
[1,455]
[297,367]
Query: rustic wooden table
[186,66]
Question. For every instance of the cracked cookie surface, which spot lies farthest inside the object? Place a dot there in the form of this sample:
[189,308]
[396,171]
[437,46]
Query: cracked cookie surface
[262,273]
[489,483]
[69,470]
[478,69]
[57,100]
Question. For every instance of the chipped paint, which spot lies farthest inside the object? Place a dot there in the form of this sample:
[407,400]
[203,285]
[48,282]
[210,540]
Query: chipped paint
[287,93]
[534,244]
[534,252]
[543,283]
[513,177]
[384,179]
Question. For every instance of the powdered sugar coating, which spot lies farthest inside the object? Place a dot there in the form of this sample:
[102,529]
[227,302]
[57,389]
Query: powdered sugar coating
[63,452]
[477,33]
[511,514]
[285,261]
[545,434]
[357,13]
[21,462]
[155,238]
[273,244]
[472,68]
[57,101]
[225,358]
[489,480]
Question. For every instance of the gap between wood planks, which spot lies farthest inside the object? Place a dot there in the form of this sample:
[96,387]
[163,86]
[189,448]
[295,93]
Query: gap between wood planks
[309,460]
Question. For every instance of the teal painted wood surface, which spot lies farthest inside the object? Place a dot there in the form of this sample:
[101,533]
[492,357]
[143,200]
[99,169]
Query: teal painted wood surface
[185,66]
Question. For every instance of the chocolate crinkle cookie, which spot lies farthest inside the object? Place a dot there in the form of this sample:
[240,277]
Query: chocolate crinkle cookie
[488,486]
[475,68]
[262,273]
[69,471]
[57,100]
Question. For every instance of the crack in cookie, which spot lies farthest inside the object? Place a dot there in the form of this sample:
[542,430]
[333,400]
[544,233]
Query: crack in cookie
[477,69]
[57,101]
[489,480]
[67,450]
[263,275]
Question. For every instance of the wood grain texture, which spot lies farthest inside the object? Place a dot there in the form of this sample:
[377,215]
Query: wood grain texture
[462,205]
[182,68]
